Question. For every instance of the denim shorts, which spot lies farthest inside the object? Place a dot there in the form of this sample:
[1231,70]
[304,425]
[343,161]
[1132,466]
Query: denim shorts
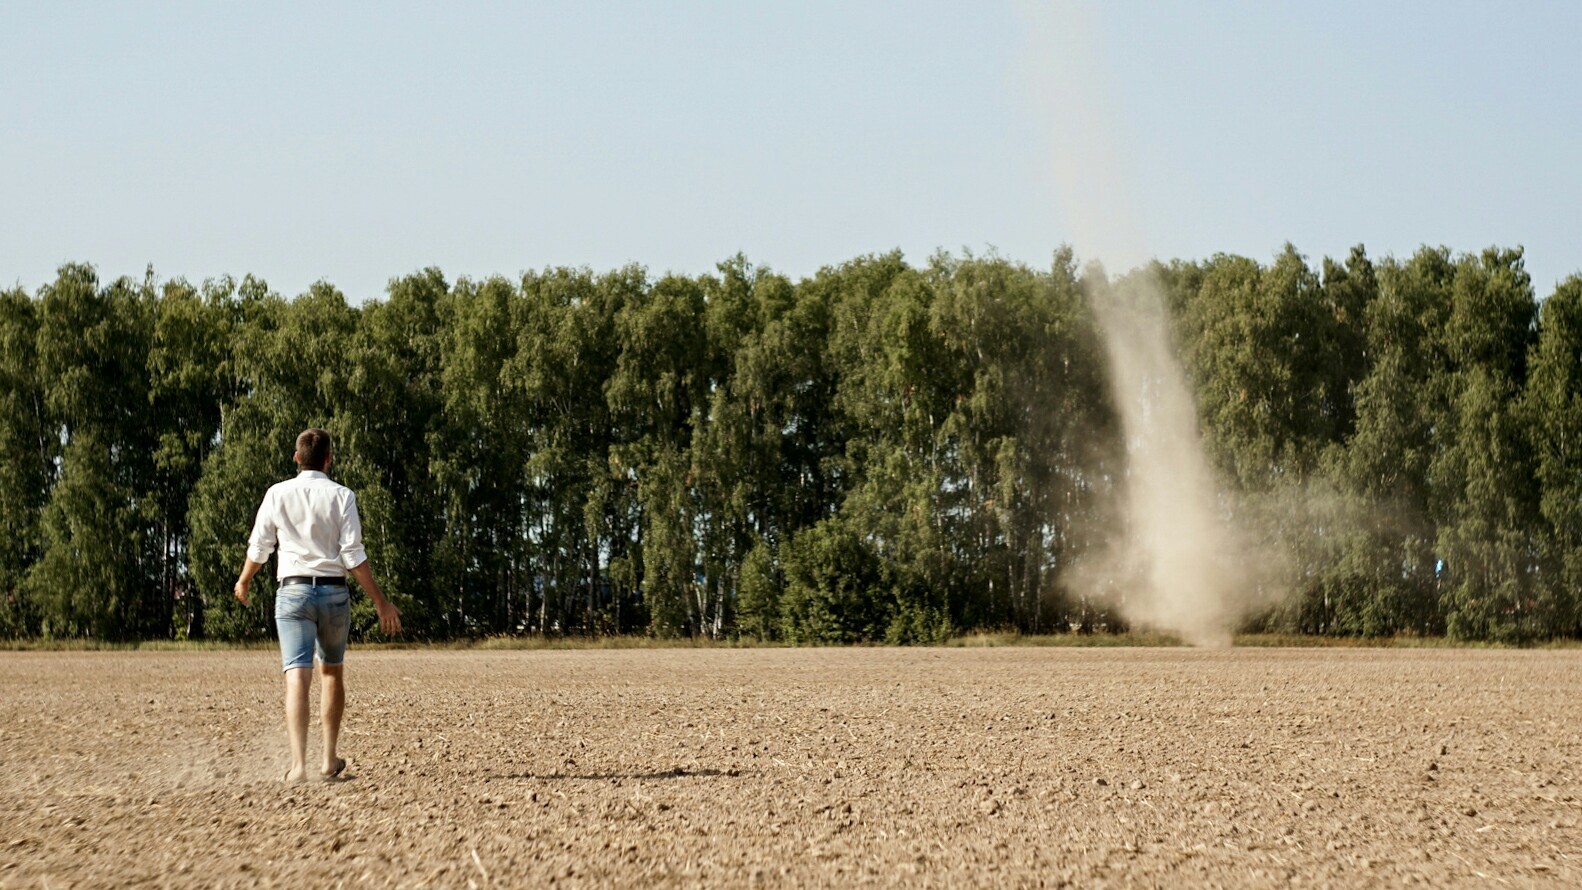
[312,617]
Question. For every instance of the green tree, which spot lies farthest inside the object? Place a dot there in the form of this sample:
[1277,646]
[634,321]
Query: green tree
[656,393]
[94,576]
[836,590]
[1276,354]
[479,460]
[190,381]
[734,455]
[386,421]
[580,499]
[27,460]
[1387,580]
[1482,489]
[1022,408]
[1552,411]
[897,385]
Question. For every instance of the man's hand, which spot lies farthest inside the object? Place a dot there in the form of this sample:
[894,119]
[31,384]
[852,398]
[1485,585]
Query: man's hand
[245,580]
[389,617]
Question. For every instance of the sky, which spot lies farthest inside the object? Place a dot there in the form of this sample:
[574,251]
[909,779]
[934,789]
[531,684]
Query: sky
[353,143]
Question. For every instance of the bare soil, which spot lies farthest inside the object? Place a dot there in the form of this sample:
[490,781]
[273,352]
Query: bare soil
[811,767]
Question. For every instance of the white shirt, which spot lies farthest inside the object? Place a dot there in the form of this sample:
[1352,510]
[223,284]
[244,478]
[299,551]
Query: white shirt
[314,523]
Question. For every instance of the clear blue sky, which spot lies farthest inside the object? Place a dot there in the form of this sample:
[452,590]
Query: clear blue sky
[356,142]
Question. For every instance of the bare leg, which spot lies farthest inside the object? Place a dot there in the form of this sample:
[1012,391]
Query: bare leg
[298,682]
[332,704]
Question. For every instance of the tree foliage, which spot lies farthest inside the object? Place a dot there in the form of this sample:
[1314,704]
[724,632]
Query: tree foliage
[882,451]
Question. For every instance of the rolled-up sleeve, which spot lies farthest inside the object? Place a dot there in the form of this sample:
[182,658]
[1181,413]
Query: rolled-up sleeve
[262,541]
[352,554]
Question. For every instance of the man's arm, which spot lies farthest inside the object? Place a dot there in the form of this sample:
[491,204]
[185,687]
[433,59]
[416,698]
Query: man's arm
[260,544]
[389,615]
[249,569]
[355,558]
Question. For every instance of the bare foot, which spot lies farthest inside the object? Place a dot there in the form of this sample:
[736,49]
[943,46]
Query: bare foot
[334,768]
[296,774]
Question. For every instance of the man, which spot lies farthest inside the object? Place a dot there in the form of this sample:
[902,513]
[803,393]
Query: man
[314,524]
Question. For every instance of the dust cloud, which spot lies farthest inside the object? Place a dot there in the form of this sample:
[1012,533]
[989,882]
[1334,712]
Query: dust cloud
[1177,563]
[1175,560]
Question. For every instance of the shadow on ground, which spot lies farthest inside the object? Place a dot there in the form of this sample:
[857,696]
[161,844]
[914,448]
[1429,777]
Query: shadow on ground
[673,773]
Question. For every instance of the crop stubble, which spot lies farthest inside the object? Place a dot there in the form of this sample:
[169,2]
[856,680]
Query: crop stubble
[922,767]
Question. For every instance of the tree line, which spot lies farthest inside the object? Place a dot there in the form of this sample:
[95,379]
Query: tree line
[881,451]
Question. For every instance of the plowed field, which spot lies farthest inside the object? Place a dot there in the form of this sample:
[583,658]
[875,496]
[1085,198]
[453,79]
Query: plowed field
[811,767]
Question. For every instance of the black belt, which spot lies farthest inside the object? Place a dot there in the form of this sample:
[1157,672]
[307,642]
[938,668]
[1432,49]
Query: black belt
[325,581]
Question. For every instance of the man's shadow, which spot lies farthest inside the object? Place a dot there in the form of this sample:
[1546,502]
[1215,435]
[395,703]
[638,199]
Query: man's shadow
[672,773]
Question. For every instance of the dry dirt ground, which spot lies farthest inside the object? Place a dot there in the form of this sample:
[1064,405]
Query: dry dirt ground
[811,767]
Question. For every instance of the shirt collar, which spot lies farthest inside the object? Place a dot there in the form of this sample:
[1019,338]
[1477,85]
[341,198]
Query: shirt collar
[311,474]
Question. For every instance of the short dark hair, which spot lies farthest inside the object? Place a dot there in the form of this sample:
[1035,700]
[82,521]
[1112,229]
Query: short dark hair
[313,449]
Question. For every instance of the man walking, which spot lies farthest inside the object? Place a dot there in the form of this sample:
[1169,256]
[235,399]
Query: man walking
[313,522]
